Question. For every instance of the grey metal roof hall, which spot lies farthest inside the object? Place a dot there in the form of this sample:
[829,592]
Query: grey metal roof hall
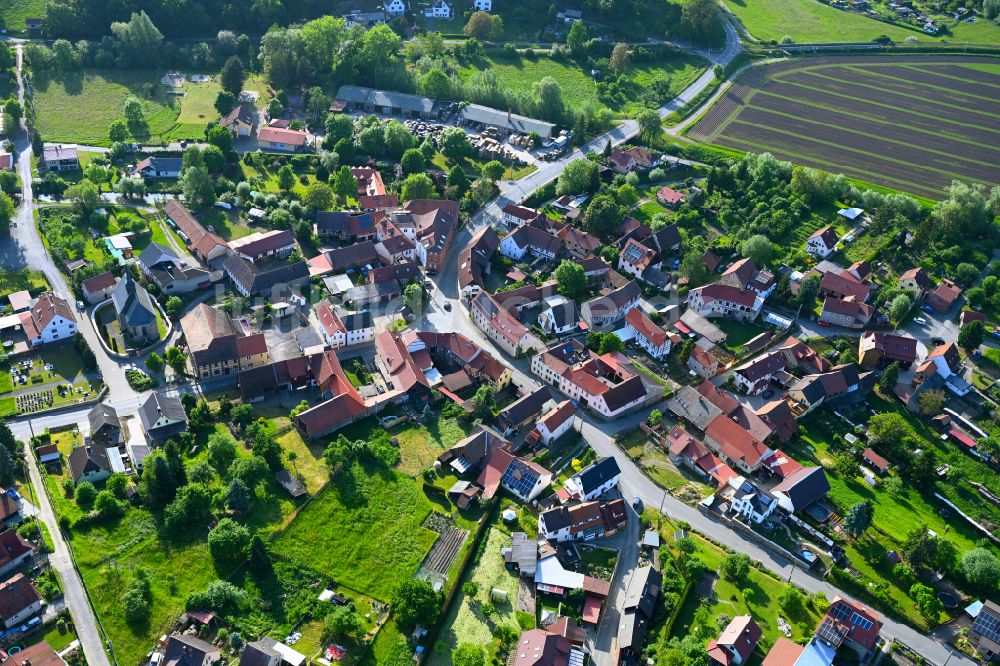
[385,98]
[512,122]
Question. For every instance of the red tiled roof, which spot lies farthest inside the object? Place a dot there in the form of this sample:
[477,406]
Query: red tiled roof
[99,282]
[646,327]
[669,195]
[279,135]
[784,653]
[725,292]
[875,459]
[735,442]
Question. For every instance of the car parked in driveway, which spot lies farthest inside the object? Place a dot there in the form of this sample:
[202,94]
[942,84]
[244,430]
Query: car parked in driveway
[920,320]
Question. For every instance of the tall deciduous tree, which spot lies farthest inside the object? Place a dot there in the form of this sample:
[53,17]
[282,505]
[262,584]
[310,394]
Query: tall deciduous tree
[571,280]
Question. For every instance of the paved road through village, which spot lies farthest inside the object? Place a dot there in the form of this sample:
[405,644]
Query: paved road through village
[26,249]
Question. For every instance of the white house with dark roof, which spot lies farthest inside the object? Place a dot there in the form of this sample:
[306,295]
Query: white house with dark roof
[592,481]
[822,242]
[610,308]
[527,239]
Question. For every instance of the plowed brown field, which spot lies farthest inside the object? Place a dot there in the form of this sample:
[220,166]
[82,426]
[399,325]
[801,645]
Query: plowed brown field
[909,123]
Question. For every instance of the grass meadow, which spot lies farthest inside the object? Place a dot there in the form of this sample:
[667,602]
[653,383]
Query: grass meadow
[519,75]
[78,107]
[364,531]
[14,12]
[813,21]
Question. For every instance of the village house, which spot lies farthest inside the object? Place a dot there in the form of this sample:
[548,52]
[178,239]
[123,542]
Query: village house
[877,349]
[721,300]
[476,261]
[281,139]
[635,258]
[430,224]
[638,610]
[627,160]
[847,312]
[579,243]
[735,445]
[845,284]
[849,624]
[916,281]
[500,326]
[89,463]
[266,279]
[185,650]
[540,647]
[15,550]
[516,216]
[158,167]
[670,197]
[875,461]
[684,449]
[395,7]
[50,319]
[800,487]
[521,477]
[609,384]
[204,245]
[240,121]
[345,225]
[647,334]
[343,331]
[583,522]
[944,296]
[822,242]
[342,403]
[800,355]
[19,600]
[528,239]
[592,481]
[173,275]
[98,288]
[59,157]
[217,346]
[559,315]
[554,423]
[736,643]
[523,410]
[264,245]
[456,349]
[162,417]
[984,634]
[754,376]
[611,307]
[702,362]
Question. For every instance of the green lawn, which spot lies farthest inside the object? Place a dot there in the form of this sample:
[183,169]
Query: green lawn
[308,459]
[655,462]
[578,88]
[738,333]
[420,446]
[701,615]
[812,21]
[80,106]
[465,622]
[18,280]
[364,530]
[13,12]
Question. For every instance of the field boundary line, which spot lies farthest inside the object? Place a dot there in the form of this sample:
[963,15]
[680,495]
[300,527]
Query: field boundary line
[886,139]
[863,152]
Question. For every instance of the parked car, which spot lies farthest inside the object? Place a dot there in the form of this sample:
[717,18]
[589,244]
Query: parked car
[928,309]
[937,341]
[920,320]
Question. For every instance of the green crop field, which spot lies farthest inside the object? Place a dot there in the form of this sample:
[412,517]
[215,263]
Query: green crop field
[812,21]
[364,530]
[519,75]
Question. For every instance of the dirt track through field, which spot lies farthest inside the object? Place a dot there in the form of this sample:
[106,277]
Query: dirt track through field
[909,123]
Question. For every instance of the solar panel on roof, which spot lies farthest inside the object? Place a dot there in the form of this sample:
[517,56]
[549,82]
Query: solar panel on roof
[839,612]
[829,633]
[859,621]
